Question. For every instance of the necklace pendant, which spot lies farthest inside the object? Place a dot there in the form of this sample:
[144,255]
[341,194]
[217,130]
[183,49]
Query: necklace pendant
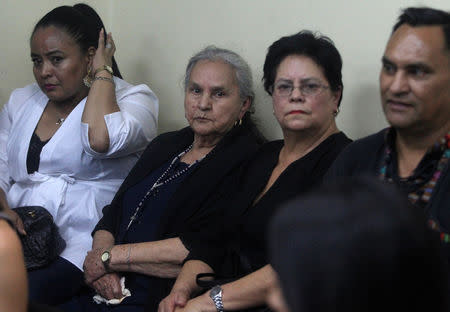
[131,221]
[60,121]
[156,185]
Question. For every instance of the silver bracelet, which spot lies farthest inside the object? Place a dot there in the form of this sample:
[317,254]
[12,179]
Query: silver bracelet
[104,79]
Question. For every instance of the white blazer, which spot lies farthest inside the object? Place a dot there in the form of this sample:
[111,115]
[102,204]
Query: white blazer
[74,182]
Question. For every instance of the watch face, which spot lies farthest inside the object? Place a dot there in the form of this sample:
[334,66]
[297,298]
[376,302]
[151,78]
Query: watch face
[105,256]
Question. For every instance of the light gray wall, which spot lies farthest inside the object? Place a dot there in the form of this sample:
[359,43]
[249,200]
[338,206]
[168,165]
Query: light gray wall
[154,40]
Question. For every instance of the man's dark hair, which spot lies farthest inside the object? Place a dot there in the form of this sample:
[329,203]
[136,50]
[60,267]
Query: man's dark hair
[423,16]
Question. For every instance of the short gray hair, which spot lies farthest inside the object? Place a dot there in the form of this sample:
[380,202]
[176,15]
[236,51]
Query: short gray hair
[243,71]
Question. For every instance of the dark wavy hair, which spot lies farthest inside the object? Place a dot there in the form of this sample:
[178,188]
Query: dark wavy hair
[423,16]
[319,48]
[81,22]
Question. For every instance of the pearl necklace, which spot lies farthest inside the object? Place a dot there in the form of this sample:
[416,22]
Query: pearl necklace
[160,182]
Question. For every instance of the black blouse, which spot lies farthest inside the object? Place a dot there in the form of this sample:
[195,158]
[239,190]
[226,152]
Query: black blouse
[242,240]
[34,153]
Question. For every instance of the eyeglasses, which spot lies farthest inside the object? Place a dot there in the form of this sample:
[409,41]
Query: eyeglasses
[310,88]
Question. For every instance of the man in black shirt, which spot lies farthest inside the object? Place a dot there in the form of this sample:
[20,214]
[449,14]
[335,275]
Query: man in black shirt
[415,92]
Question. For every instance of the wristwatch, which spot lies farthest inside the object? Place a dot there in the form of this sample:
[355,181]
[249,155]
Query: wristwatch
[216,295]
[106,258]
[104,67]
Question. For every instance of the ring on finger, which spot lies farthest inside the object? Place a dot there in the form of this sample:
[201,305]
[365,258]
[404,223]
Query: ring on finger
[108,45]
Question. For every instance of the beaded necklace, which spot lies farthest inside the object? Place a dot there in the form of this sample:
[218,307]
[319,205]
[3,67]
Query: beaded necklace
[160,182]
[444,144]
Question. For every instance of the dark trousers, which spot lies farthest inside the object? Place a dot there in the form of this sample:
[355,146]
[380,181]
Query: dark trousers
[55,283]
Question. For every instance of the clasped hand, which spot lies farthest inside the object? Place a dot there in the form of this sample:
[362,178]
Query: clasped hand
[93,266]
[105,284]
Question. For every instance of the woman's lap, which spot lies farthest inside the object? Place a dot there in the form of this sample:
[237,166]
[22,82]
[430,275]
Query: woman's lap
[55,283]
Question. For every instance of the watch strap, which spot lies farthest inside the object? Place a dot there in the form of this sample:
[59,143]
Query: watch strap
[216,295]
[104,67]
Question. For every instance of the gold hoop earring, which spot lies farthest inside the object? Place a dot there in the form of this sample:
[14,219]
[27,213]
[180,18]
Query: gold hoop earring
[238,122]
[87,80]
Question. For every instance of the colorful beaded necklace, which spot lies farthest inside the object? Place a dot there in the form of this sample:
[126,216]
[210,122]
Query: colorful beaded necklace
[427,188]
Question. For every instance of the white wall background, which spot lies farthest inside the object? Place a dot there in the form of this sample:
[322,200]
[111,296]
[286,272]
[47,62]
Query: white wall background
[155,38]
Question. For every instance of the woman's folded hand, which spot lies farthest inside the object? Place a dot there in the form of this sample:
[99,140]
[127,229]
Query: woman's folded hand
[108,286]
[93,266]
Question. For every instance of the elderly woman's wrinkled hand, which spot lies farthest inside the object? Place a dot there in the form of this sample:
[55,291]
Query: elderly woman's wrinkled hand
[108,286]
[105,52]
[176,298]
[93,266]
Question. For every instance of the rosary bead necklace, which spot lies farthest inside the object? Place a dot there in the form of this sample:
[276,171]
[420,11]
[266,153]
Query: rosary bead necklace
[160,182]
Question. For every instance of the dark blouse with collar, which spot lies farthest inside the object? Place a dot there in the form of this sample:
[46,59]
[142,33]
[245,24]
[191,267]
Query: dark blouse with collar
[240,246]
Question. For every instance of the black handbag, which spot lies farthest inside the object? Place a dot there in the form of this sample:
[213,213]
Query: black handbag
[43,243]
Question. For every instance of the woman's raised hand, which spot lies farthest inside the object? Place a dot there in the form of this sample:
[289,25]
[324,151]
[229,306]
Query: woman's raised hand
[105,52]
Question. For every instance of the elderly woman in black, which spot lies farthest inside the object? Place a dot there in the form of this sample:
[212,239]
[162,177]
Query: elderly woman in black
[302,73]
[173,189]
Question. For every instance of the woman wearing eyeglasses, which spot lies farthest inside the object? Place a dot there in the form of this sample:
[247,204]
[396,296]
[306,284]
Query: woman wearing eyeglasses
[302,73]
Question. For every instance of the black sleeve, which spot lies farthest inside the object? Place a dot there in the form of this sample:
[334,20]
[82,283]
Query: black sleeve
[209,240]
[342,166]
[359,158]
[109,221]
[215,250]
[215,240]
[210,236]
